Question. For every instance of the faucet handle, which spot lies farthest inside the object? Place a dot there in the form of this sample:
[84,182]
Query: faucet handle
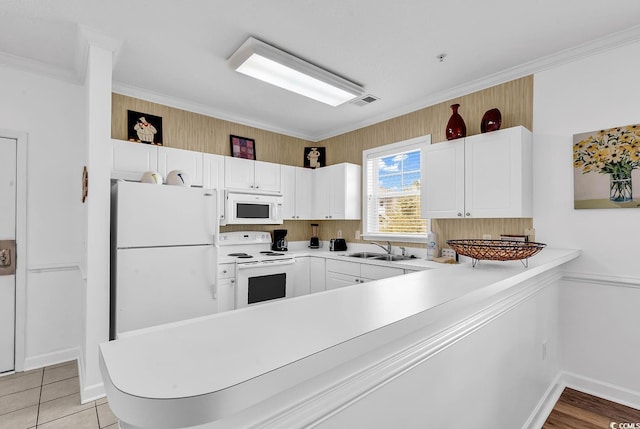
[403,249]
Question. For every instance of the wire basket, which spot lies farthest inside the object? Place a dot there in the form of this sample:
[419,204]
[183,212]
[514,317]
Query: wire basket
[496,250]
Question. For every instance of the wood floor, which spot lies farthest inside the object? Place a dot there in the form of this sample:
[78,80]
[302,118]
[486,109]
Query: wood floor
[577,410]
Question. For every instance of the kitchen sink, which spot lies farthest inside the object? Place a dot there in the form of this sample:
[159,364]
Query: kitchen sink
[392,258]
[366,255]
[379,256]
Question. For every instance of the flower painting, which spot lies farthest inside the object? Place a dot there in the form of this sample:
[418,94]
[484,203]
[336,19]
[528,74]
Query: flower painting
[605,167]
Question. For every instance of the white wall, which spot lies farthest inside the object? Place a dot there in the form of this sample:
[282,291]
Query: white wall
[52,113]
[599,305]
[594,93]
[493,378]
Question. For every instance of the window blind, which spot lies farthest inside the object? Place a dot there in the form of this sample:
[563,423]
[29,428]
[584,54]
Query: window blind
[393,193]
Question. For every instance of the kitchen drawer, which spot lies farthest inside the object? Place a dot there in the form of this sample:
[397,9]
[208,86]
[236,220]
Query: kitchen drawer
[344,267]
[226,271]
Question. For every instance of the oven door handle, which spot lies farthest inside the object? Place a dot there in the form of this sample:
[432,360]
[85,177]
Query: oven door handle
[248,265]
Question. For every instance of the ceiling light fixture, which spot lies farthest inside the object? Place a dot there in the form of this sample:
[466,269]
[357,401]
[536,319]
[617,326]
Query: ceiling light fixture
[262,61]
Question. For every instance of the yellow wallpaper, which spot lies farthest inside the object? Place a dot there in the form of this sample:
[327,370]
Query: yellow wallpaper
[192,131]
[187,130]
[514,100]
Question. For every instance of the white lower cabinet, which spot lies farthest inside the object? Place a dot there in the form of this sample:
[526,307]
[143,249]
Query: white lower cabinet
[346,273]
[301,277]
[317,273]
[226,287]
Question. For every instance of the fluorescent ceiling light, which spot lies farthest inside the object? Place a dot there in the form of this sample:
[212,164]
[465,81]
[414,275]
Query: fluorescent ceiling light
[262,61]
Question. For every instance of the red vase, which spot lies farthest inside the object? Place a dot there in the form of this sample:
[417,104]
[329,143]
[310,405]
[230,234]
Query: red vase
[456,127]
[491,121]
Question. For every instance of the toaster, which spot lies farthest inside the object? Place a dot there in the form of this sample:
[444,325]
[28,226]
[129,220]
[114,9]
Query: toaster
[337,244]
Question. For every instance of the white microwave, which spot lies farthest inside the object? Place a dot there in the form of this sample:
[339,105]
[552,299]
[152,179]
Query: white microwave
[252,208]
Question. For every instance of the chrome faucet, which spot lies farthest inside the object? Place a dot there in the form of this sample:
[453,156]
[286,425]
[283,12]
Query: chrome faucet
[387,249]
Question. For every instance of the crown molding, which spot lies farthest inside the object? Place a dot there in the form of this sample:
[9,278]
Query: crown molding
[566,56]
[37,67]
[89,37]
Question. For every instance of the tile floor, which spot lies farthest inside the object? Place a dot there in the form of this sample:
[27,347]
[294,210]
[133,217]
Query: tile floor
[49,398]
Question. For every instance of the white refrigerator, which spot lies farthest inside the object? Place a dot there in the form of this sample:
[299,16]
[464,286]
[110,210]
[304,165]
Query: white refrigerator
[163,259]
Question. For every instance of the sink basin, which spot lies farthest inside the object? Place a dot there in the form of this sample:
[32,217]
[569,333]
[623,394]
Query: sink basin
[366,255]
[392,258]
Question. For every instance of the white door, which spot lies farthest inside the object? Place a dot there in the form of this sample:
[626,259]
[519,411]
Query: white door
[238,173]
[442,190]
[267,176]
[304,193]
[7,252]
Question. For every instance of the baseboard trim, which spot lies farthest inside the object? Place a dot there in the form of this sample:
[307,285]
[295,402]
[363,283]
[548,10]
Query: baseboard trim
[88,393]
[602,389]
[52,358]
[588,385]
[545,405]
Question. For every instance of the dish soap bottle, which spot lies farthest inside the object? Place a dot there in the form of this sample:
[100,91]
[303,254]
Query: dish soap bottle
[432,245]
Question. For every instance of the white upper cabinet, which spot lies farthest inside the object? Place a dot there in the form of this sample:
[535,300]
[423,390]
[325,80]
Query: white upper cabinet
[337,192]
[483,176]
[245,174]
[296,185]
[129,161]
[180,159]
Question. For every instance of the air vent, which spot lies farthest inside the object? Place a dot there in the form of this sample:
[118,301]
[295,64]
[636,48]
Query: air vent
[364,100]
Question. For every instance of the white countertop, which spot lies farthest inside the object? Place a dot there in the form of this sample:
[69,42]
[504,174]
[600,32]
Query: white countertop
[209,356]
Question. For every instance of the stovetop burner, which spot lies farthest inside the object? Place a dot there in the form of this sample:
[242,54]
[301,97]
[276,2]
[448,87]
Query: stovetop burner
[240,255]
[270,253]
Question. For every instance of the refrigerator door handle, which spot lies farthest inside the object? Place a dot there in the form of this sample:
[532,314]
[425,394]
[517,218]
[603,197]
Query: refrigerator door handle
[212,211]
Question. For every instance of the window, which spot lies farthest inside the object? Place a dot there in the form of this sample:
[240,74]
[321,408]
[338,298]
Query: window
[391,195]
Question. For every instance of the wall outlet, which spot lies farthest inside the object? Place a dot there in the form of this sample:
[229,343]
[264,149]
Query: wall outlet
[486,236]
[357,235]
[448,253]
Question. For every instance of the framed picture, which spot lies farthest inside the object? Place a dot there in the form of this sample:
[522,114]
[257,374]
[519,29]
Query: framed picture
[606,164]
[242,147]
[314,157]
[144,128]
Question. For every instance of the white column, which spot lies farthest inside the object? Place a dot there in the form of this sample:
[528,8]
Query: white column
[98,86]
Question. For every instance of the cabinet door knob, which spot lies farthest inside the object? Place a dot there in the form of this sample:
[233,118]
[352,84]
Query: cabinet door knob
[459,214]
[467,214]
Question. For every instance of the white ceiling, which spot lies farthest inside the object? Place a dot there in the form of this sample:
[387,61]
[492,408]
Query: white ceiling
[175,52]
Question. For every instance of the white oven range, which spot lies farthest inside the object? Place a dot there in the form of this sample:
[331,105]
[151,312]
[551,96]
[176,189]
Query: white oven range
[262,275]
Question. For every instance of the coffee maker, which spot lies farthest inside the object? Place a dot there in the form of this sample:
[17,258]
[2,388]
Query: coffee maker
[279,240]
